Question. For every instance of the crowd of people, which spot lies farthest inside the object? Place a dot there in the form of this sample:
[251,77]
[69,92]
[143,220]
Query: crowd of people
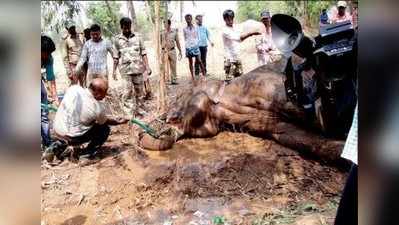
[80,116]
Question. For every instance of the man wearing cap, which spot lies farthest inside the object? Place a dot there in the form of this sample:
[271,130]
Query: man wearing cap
[342,15]
[168,39]
[204,37]
[72,49]
[264,43]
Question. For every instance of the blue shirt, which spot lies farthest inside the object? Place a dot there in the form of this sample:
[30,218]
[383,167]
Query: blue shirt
[324,18]
[203,36]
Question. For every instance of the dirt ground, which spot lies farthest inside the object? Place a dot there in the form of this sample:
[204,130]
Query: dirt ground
[232,178]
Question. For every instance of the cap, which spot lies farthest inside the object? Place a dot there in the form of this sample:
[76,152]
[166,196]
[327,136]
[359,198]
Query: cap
[265,14]
[341,4]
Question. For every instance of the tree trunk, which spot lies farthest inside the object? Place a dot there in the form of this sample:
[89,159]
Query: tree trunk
[148,13]
[132,13]
[181,11]
[162,88]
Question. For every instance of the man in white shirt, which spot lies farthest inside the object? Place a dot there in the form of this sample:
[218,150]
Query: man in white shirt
[191,38]
[231,40]
[347,209]
[81,118]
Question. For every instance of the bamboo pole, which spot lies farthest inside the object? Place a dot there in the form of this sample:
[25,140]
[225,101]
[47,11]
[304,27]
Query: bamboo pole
[162,88]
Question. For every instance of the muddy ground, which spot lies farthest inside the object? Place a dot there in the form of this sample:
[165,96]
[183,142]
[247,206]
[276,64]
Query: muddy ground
[232,178]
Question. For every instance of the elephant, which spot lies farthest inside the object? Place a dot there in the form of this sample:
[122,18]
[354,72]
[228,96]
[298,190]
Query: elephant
[255,103]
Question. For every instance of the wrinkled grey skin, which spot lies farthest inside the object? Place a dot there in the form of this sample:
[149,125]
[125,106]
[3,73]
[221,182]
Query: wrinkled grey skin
[255,103]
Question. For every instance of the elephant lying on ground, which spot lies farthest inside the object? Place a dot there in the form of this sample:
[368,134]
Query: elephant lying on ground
[255,103]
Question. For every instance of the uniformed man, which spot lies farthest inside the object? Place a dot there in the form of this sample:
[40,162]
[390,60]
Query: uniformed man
[72,49]
[168,39]
[133,56]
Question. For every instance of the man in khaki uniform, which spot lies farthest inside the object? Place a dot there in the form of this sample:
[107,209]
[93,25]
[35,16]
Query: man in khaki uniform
[133,56]
[72,49]
[168,38]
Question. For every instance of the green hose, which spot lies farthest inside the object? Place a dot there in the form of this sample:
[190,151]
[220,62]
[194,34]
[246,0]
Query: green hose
[145,127]
[48,107]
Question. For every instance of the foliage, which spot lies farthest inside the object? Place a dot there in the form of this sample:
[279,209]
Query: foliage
[54,14]
[143,25]
[309,11]
[106,17]
[163,8]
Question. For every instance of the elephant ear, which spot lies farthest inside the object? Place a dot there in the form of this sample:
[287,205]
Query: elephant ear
[216,92]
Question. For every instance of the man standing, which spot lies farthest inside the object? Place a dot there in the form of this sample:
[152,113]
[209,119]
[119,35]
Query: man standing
[264,42]
[324,18]
[191,39]
[72,49]
[47,47]
[231,40]
[81,118]
[203,33]
[168,39]
[131,51]
[95,54]
[342,15]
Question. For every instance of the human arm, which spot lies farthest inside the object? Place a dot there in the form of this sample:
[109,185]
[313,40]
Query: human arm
[178,44]
[116,60]
[65,57]
[245,36]
[115,56]
[116,121]
[208,36]
[83,57]
[102,117]
[143,53]
[51,79]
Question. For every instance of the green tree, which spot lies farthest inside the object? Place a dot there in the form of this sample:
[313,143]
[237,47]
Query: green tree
[306,11]
[106,14]
[54,14]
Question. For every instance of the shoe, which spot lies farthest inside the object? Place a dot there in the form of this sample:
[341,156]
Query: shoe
[67,153]
[48,154]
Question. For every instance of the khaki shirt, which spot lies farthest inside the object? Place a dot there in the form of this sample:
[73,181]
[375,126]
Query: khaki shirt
[171,37]
[72,50]
[130,51]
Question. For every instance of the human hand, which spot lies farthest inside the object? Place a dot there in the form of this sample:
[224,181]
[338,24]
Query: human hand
[121,120]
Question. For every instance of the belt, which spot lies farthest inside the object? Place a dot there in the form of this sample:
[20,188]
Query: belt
[169,49]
